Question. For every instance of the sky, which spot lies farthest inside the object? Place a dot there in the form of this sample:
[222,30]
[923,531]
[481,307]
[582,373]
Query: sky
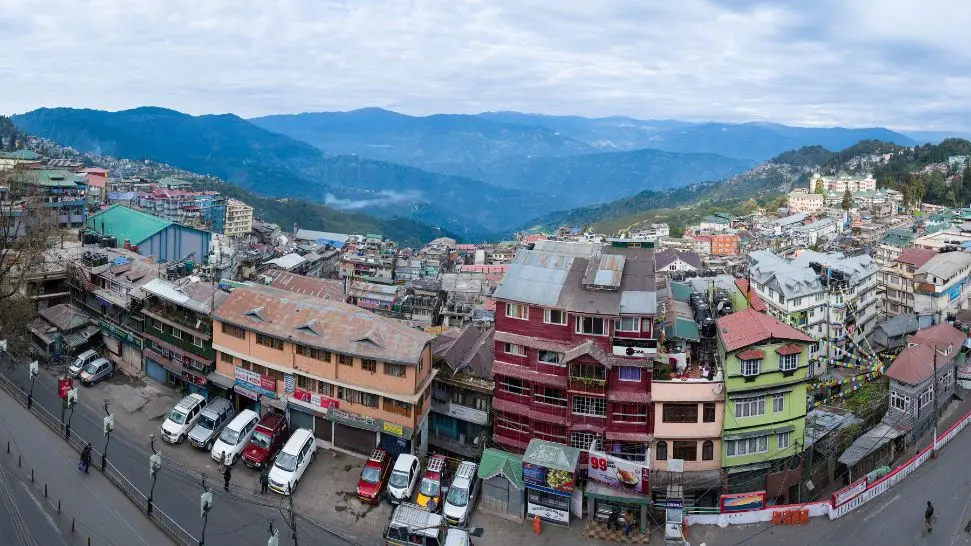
[895,63]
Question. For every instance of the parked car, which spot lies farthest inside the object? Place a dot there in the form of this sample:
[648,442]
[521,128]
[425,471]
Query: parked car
[462,494]
[270,434]
[433,483]
[292,461]
[234,438]
[217,414]
[373,477]
[403,478]
[182,418]
[81,361]
[96,370]
[412,526]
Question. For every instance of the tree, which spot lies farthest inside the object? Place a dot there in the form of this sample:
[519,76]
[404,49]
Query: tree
[819,186]
[847,200]
[750,206]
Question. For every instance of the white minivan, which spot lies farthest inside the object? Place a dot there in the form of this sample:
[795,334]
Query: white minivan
[234,437]
[462,494]
[182,417]
[292,461]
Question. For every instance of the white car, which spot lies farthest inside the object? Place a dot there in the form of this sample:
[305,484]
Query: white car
[234,437]
[462,494]
[81,361]
[403,478]
[182,417]
[292,461]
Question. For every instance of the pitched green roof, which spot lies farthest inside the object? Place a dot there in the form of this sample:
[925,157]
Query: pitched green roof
[680,291]
[499,463]
[56,178]
[682,328]
[898,237]
[127,224]
[24,155]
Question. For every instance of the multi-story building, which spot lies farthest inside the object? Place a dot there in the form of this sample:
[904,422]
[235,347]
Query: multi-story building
[462,391]
[178,332]
[368,266]
[766,364]
[239,218]
[941,287]
[807,202]
[670,260]
[814,232]
[842,182]
[356,379]
[703,244]
[891,245]
[725,244]
[897,280]
[938,240]
[715,223]
[62,193]
[574,341]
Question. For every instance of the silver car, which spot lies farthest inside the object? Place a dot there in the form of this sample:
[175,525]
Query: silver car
[81,361]
[97,370]
[217,413]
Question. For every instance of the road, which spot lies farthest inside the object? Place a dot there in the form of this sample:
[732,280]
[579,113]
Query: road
[237,518]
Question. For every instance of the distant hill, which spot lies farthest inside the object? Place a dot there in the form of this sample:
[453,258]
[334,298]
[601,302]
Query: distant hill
[615,133]
[272,164]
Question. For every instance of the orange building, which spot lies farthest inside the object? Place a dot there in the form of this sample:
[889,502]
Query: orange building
[725,244]
[356,379]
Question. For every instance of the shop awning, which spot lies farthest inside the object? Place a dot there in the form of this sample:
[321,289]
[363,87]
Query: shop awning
[683,329]
[500,463]
[600,491]
[551,455]
[692,480]
[221,380]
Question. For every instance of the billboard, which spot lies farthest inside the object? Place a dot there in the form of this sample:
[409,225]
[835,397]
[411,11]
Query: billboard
[742,502]
[557,482]
[620,473]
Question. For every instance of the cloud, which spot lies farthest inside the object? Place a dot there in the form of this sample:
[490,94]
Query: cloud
[827,62]
[382,198]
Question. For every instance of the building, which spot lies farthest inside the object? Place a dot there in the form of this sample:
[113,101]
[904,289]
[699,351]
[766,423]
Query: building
[178,332]
[897,280]
[669,260]
[725,244]
[97,185]
[60,193]
[359,381]
[892,334]
[62,330]
[841,183]
[328,289]
[702,245]
[204,209]
[784,226]
[824,229]
[892,244]
[150,235]
[335,240]
[378,266]
[19,159]
[941,287]
[766,365]
[461,416]
[574,342]
[239,218]
[807,202]
[950,238]
[715,223]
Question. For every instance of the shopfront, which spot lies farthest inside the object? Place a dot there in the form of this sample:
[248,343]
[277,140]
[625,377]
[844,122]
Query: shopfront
[309,410]
[250,388]
[617,486]
[123,347]
[549,472]
[353,432]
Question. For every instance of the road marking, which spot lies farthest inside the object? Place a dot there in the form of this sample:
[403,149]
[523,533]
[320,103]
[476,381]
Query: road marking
[881,509]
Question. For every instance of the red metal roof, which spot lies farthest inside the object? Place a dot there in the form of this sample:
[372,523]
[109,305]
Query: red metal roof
[916,257]
[751,354]
[749,327]
[790,349]
[754,300]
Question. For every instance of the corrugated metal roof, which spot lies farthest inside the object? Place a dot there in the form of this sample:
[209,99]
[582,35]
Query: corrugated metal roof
[287,262]
[535,277]
[126,224]
[946,265]
[550,455]
[748,327]
[872,440]
[500,463]
[638,302]
[196,295]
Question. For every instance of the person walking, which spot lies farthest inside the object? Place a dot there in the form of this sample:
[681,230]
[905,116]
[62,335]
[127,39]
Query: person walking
[86,458]
[264,478]
[628,521]
[929,517]
[227,474]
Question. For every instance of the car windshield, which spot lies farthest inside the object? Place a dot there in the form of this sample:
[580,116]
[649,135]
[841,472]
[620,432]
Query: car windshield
[430,487]
[261,439]
[229,435]
[398,479]
[458,496]
[371,474]
[287,462]
[91,367]
[177,417]
[207,422]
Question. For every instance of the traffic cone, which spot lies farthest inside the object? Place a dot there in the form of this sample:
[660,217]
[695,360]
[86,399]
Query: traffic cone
[537,526]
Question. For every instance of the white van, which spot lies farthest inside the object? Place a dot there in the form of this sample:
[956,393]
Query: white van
[462,494]
[182,417]
[410,525]
[292,461]
[81,361]
[233,439]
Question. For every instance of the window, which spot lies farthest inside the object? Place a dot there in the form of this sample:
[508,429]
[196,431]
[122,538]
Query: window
[661,451]
[358,397]
[515,423]
[227,358]
[157,324]
[397,370]
[514,386]
[708,412]
[369,365]
[197,341]
[306,383]
[589,405]
[397,407]
[749,407]
[751,367]
[628,324]
[550,432]
[550,357]
[234,331]
[517,311]
[747,446]
[708,450]
[783,438]
[947,379]
[268,341]
[687,451]
[554,316]
[778,403]
[346,360]
[787,363]
[630,413]
[679,413]
[513,349]
[927,395]
[629,373]
[313,352]
[583,439]
[592,326]
[549,395]
[176,333]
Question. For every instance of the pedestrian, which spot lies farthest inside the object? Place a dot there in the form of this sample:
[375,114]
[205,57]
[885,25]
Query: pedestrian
[628,520]
[86,457]
[227,474]
[929,517]
[264,478]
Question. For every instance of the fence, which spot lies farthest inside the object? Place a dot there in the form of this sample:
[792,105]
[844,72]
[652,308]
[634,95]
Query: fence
[164,522]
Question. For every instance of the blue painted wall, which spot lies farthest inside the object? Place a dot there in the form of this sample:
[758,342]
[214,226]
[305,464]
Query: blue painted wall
[177,242]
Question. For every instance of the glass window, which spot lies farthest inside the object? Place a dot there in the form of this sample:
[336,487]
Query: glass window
[630,413]
[783,440]
[679,413]
[687,451]
[629,373]
[369,365]
[749,407]
[747,446]
[346,360]
[593,326]
[583,439]
[709,412]
[662,451]
[549,395]
[227,358]
[628,324]
[554,316]
[787,363]
[514,386]
[549,357]
[397,370]
[517,311]
[513,349]
[751,367]
[269,341]
[778,403]
[708,450]
[589,405]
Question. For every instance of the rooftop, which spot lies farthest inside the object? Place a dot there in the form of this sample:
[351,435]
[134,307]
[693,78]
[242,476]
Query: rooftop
[749,327]
[126,224]
[288,261]
[189,292]
[946,265]
[310,286]
[471,349]
[915,364]
[64,317]
[916,257]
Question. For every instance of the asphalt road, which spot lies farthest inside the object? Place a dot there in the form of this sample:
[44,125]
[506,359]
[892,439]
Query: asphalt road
[237,518]
[23,517]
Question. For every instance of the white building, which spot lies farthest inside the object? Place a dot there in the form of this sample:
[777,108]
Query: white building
[800,200]
[843,182]
[941,287]
[239,218]
[652,232]
[810,234]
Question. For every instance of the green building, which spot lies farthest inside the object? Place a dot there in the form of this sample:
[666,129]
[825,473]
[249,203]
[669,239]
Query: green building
[766,365]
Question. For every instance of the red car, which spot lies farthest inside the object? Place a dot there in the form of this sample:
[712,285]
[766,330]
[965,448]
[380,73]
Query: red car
[373,477]
[269,436]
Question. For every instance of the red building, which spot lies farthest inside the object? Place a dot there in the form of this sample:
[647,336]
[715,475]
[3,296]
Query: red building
[725,244]
[575,338]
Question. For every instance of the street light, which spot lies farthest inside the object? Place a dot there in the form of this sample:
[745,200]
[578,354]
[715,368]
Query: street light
[108,424]
[205,505]
[154,465]
[34,369]
[72,402]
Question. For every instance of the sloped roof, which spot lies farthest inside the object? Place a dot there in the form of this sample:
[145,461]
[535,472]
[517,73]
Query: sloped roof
[916,257]
[288,261]
[915,364]
[551,455]
[899,325]
[871,441]
[749,327]
[495,462]
[946,265]
[940,334]
[126,224]
[64,317]
[310,286]
[469,347]
[667,256]
[196,295]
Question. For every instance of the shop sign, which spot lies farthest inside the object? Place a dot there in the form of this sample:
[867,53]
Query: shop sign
[556,482]
[742,502]
[201,381]
[243,391]
[545,512]
[127,336]
[619,473]
[392,428]
[314,399]
[262,384]
[466,413]
[354,420]
[850,492]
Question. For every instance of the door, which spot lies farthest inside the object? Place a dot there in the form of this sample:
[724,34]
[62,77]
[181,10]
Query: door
[354,439]
[300,419]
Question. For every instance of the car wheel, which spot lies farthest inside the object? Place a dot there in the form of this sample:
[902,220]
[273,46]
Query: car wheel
[209,445]
[180,439]
[233,460]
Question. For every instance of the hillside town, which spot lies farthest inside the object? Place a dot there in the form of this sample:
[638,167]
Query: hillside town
[617,385]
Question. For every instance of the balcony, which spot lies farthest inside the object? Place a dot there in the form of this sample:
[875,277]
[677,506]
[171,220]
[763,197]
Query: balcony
[184,320]
[590,385]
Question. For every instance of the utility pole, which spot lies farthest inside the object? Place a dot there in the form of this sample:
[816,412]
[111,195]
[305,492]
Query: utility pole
[108,424]
[205,505]
[293,515]
[154,465]
[274,539]
[72,402]
[34,369]
[934,391]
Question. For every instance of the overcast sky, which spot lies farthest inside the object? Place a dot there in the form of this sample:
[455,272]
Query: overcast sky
[895,63]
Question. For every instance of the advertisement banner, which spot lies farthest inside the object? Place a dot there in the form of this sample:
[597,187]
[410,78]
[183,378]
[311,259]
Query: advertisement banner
[314,399]
[620,473]
[262,384]
[547,513]
[742,502]
[64,386]
[557,482]
[850,492]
